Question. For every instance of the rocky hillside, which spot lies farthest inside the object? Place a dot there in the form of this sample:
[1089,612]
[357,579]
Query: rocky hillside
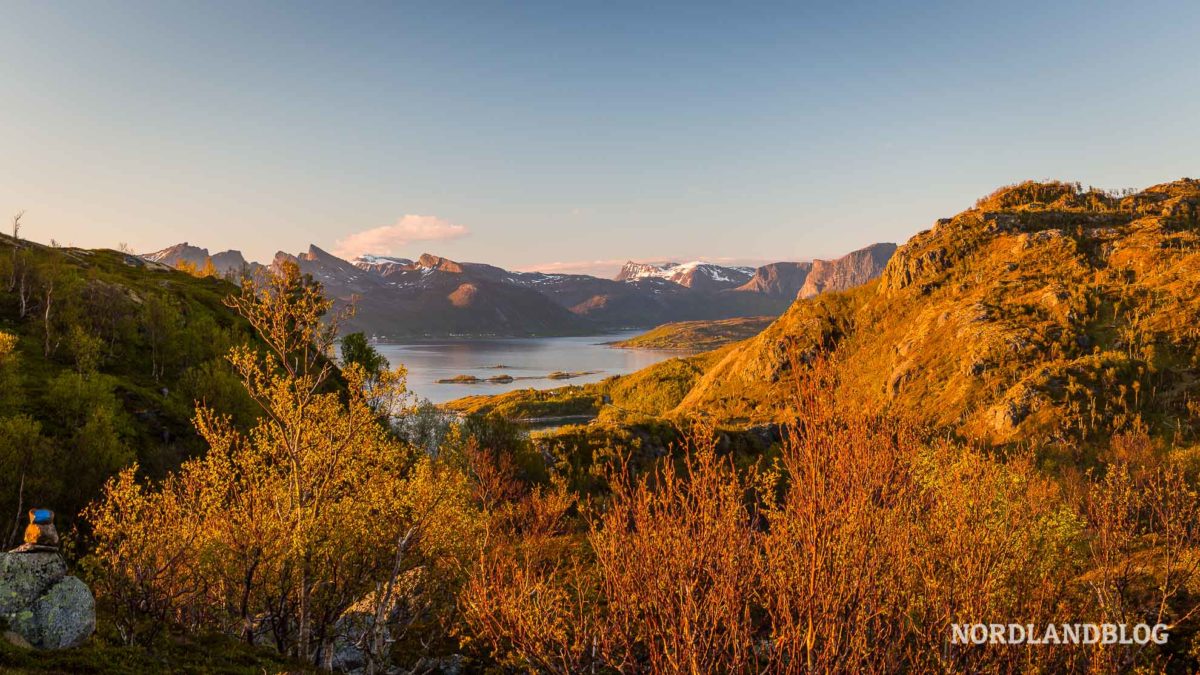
[1044,312]
[103,356]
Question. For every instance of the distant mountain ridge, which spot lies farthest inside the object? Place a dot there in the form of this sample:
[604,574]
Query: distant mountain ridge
[434,296]
[226,262]
[853,269]
[783,279]
[695,274]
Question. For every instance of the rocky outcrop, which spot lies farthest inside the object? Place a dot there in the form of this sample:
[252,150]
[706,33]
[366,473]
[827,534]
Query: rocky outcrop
[782,279]
[356,633]
[41,604]
[848,271]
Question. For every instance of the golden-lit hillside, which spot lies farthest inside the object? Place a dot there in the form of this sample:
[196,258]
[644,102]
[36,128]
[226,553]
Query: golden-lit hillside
[697,335]
[1046,311]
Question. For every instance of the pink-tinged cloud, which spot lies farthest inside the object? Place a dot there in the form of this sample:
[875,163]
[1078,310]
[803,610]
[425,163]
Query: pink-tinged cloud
[390,239]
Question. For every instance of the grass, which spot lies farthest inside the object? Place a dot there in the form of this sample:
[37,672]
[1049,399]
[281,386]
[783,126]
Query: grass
[697,335]
[174,654]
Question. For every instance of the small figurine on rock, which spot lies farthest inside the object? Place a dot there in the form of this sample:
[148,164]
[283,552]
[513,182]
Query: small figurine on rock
[40,535]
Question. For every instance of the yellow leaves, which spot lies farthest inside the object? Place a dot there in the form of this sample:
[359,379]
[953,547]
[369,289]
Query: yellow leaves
[282,527]
[291,315]
[8,345]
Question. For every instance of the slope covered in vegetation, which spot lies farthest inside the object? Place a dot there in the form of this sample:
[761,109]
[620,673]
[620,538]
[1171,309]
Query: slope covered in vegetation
[1045,312]
[697,335]
[346,530]
[1056,322]
[102,356]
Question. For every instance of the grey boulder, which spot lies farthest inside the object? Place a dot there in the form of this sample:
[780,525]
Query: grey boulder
[48,609]
[24,577]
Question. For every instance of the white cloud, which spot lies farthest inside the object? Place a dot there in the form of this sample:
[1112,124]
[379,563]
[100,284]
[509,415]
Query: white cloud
[389,239]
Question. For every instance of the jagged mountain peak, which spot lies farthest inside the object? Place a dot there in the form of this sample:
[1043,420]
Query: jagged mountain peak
[637,270]
[854,268]
[315,253]
[225,262]
[436,262]
[371,259]
[175,250]
[779,279]
[381,264]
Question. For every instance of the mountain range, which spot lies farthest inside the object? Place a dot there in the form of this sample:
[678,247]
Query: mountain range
[433,296]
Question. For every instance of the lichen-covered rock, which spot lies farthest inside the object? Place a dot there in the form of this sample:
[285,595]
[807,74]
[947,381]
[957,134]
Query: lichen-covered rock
[65,616]
[26,576]
[43,606]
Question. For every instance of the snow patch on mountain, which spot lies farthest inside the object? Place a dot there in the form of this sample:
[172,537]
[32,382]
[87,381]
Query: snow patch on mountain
[685,273]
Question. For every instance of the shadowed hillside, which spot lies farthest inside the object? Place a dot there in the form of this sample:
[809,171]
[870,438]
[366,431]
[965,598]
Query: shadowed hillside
[103,356]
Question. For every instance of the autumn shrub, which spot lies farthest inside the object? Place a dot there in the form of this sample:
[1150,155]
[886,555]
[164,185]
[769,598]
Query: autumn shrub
[1143,553]
[830,573]
[535,606]
[530,601]
[676,559]
[275,534]
[856,552]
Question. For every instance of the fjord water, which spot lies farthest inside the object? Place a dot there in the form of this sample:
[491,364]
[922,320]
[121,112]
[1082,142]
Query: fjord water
[533,358]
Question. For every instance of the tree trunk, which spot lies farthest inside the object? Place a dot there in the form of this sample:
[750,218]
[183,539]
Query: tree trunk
[23,293]
[304,629]
[46,317]
[12,538]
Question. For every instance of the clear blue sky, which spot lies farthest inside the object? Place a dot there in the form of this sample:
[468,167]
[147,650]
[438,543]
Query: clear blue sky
[568,131]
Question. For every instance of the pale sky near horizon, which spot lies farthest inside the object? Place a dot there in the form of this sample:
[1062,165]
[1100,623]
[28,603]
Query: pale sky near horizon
[574,135]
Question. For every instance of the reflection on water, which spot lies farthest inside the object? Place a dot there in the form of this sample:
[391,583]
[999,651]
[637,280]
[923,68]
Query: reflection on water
[428,362]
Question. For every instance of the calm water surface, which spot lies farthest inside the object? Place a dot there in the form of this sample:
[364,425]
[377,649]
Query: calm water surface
[532,358]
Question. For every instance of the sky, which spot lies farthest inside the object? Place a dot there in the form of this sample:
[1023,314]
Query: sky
[572,136]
